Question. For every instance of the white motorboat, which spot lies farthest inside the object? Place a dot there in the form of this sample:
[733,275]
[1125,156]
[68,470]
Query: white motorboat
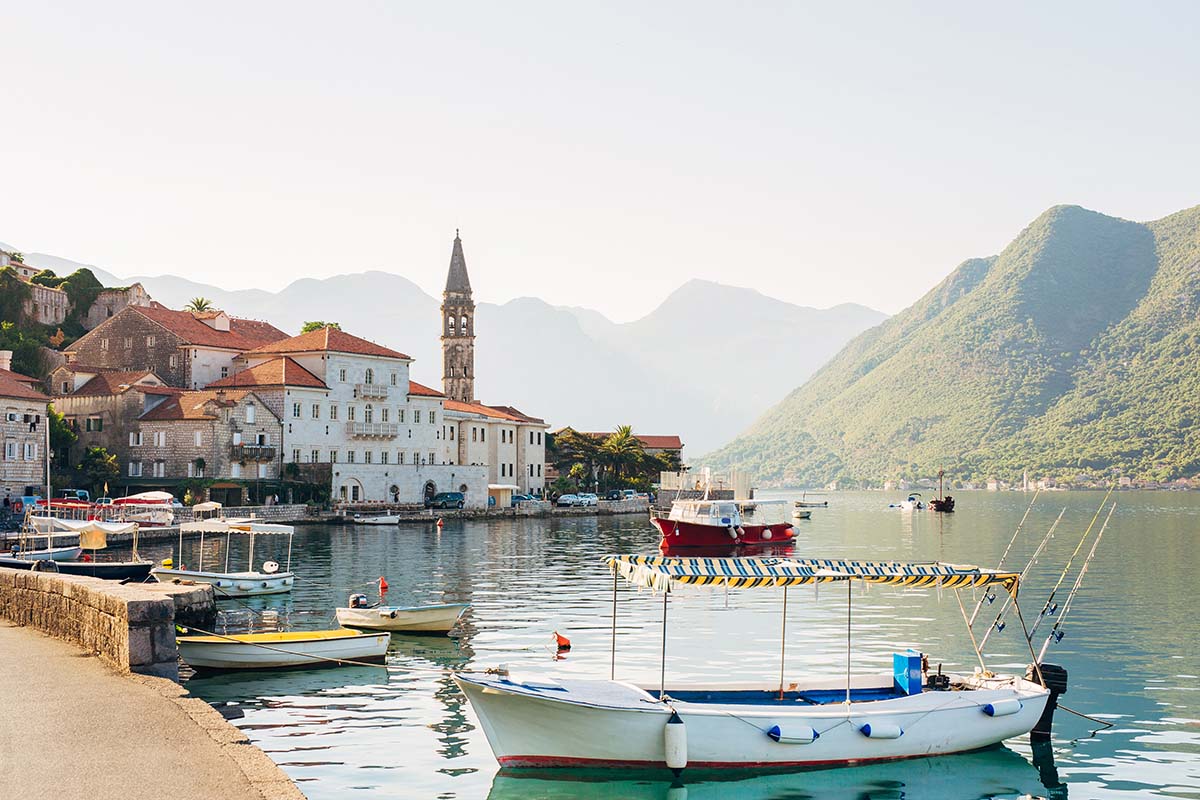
[375,519]
[69,553]
[415,619]
[801,513]
[227,583]
[282,650]
[534,721]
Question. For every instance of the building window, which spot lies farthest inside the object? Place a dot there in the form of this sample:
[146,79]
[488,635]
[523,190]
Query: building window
[235,470]
[451,433]
[333,414]
[224,372]
[450,324]
[383,456]
[66,387]
[10,451]
[160,438]
[316,411]
[416,415]
[368,456]
[369,413]
[539,437]
[383,414]
[191,469]
[432,458]
[196,439]
[128,342]
[354,493]
[400,416]
[349,456]
[31,451]
[160,469]
[295,410]
[482,434]
[531,470]
[149,341]
[432,418]
[296,455]
[172,361]
[135,438]
[462,325]
[251,413]
[104,344]
[94,424]
[351,413]
[135,469]
[342,375]
[539,470]
[369,378]
[316,456]
[262,469]
[333,457]
[393,379]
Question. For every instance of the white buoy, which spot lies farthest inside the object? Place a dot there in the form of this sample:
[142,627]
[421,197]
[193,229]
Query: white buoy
[732,532]
[767,534]
[675,743]
[881,730]
[800,734]
[1002,708]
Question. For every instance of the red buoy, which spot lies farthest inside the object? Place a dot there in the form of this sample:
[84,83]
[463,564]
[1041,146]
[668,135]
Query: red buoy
[383,585]
[563,642]
[440,523]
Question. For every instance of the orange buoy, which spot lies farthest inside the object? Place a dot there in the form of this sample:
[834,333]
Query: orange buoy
[440,523]
[383,585]
[563,642]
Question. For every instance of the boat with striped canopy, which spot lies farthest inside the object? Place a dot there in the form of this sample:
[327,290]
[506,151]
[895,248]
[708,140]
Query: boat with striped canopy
[543,721]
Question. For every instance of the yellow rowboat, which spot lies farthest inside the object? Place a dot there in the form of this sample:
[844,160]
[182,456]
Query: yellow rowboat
[282,650]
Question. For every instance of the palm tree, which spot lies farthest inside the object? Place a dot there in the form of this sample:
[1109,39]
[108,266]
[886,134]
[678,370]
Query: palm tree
[623,453]
[199,304]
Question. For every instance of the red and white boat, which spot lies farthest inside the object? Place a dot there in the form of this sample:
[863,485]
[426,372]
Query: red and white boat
[723,523]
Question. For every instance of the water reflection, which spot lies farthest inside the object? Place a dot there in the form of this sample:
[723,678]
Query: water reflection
[993,773]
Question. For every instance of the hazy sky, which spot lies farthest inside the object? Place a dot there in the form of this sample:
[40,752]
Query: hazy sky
[821,153]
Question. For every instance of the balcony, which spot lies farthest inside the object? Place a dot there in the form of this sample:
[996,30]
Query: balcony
[252,452]
[371,391]
[372,430]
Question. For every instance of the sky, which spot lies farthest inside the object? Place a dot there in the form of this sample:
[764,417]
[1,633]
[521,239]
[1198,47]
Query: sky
[593,156]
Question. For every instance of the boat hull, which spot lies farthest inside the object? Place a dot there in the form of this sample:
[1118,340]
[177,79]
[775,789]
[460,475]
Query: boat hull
[546,727]
[281,650]
[678,533]
[390,519]
[230,584]
[107,570]
[49,554]
[421,619]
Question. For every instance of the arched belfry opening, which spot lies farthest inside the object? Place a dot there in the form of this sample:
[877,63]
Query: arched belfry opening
[458,337]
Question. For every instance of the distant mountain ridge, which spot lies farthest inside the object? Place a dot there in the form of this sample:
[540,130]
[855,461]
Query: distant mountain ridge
[1071,353]
[702,365]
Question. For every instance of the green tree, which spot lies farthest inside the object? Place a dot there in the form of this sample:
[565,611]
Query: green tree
[199,304]
[13,294]
[24,344]
[623,454]
[569,447]
[62,435]
[98,466]
[317,325]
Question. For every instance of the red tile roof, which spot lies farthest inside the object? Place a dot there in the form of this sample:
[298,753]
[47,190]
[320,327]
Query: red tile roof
[422,390]
[328,340]
[193,405]
[495,412]
[107,383]
[243,334]
[281,371]
[71,366]
[649,442]
[518,414]
[16,385]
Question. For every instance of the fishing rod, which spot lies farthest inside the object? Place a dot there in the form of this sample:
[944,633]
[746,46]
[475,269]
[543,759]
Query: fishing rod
[989,595]
[1056,633]
[998,624]
[1050,607]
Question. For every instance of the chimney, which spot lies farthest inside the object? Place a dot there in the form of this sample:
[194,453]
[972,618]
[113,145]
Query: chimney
[6,359]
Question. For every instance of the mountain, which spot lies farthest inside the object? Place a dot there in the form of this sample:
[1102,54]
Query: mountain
[701,365]
[1073,352]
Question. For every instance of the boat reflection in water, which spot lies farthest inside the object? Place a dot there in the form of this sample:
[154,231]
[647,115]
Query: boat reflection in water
[996,772]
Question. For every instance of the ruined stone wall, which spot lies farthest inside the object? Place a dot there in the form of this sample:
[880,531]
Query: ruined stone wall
[131,627]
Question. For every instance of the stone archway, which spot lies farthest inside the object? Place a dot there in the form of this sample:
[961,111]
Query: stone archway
[429,491]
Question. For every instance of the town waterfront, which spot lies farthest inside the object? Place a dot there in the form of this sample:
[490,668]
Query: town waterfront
[367,732]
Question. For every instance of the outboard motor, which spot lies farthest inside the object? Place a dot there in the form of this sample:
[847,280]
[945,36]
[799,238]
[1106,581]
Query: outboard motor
[1056,681]
[358,601]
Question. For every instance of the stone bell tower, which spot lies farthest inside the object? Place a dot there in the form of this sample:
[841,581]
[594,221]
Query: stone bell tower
[458,330]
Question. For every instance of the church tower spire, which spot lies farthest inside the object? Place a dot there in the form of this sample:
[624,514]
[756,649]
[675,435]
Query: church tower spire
[458,330]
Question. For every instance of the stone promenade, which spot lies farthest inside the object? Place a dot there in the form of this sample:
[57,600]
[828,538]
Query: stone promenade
[73,727]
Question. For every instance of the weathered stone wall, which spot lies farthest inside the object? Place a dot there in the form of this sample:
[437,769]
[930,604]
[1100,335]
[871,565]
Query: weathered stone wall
[130,341]
[132,627]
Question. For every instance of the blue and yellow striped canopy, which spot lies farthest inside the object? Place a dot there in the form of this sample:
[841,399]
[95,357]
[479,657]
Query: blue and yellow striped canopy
[661,572]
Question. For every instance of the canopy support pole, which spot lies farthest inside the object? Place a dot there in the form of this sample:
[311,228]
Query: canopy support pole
[971,633]
[289,561]
[228,534]
[201,567]
[179,561]
[849,608]
[662,682]
[250,560]
[612,669]
[783,642]
[1037,668]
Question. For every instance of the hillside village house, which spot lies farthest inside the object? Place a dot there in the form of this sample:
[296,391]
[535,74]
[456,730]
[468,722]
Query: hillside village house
[187,350]
[22,430]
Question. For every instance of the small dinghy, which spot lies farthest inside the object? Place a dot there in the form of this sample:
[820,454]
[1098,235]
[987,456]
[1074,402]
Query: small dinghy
[282,650]
[413,619]
[375,519]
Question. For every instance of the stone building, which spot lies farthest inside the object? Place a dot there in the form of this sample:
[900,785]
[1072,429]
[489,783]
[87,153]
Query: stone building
[22,431]
[348,403]
[110,301]
[458,333]
[216,433]
[186,349]
[46,305]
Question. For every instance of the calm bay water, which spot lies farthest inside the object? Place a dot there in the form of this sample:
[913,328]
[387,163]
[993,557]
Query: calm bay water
[405,731]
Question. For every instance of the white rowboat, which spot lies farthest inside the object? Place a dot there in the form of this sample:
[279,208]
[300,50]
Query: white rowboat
[280,650]
[418,619]
[230,584]
[375,519]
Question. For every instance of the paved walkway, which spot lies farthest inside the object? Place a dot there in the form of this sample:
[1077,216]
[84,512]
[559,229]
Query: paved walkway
[70,727]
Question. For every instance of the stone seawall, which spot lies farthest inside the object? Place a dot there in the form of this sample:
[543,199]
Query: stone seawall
[132,626]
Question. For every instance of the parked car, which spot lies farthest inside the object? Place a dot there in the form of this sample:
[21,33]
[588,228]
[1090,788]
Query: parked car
[628,494]
[588,499]
[517,499]
[446,500]
[568,500]
[614,494]
[75,494]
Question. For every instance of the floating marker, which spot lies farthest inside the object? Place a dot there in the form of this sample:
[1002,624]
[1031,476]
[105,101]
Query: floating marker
[383,585]
[440,524]
[562,642]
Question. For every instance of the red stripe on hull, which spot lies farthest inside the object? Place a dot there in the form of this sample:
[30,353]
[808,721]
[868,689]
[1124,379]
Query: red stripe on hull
[550,762]
[691,534]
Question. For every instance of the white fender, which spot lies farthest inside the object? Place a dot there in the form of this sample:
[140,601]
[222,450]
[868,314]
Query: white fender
[800,734]
[675,742]
[881,730]
[733,534]
[766,534]
[1002,708]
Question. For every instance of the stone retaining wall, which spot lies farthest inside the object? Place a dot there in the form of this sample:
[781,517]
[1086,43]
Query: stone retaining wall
[132,626]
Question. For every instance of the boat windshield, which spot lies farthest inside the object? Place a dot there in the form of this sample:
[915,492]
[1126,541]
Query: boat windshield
[764,512]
